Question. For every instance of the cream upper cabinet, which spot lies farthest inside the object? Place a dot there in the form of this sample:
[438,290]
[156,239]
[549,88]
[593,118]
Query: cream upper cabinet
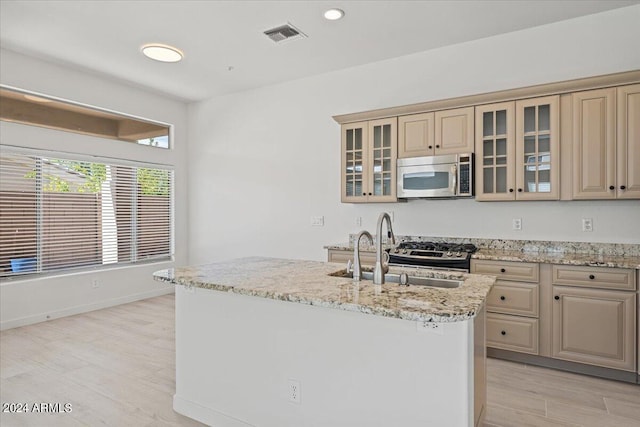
[628,142]
[594,149]
[517,150]
[432,134]
[495,151]
[369,154]
[606,143]
[454,131]
[416,134]
[538,148]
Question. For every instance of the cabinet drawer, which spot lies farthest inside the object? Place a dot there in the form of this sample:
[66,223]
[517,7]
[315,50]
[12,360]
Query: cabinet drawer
[594,277]
[512,333]
[506,270]
[366,258]
[514,298]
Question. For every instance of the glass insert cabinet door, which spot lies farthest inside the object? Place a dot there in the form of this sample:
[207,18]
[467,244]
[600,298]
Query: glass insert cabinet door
[382,157]
[369,154]
[495,151]
[537,148]
[354,140]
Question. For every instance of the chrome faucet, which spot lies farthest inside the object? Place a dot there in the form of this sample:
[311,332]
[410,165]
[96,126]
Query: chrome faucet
[357,269]
[382,267]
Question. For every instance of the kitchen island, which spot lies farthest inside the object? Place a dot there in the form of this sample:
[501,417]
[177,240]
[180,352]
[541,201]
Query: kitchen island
[274,342]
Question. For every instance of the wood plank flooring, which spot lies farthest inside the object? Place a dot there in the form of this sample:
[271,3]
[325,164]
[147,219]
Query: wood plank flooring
[117,368]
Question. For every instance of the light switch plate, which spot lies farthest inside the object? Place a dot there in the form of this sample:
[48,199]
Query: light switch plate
[317,221]
[587,224]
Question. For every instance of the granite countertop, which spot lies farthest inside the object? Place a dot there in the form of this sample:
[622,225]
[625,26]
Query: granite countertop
[567,253]
[308,282]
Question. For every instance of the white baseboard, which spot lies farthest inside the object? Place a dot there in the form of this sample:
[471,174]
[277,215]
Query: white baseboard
[70,311]
[205,415]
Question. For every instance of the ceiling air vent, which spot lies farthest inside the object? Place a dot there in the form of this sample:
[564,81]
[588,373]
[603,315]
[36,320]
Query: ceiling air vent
[284,32]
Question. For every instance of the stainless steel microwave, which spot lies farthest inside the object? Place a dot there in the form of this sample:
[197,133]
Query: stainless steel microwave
[444,176]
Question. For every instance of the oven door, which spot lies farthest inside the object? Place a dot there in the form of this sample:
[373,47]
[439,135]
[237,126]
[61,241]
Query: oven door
[424,181]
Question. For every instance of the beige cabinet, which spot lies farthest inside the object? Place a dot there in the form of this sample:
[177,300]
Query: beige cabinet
[628,142]
[606,143]
[369,154]
[416,134]
[512,305]
[591,325]
[517,150]
[341,256]
[435,133]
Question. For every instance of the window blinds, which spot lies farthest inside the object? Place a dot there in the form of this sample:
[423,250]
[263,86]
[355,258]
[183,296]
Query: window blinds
[58,214]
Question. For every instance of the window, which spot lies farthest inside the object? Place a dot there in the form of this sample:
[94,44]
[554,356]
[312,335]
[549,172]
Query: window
[63,213]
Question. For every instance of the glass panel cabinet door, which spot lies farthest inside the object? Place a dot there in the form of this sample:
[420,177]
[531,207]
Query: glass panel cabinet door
[369,155]
[354,156]
[495,134]
[537,149]
[382,160]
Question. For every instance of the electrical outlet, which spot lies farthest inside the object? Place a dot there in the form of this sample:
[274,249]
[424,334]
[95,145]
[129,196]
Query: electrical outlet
[432,327]
[517,223]
[587,224]
[295,391]
[358,221]
[317,221]
[95,284]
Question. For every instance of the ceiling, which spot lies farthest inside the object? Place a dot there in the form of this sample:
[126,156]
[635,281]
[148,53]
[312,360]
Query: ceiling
[226,50]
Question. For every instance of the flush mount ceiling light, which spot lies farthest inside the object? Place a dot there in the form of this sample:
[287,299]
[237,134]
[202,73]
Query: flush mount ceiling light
[333,14]
[162,52]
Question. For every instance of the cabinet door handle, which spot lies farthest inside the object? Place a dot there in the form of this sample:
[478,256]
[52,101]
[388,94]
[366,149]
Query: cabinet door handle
[437,146]
[519,190]
[511,190]
[502,270]
[623,187]
[364,194]
[430,147]
[503,332]
[370,194]
[591,276]
[611,187]
[502,298]
[556,298]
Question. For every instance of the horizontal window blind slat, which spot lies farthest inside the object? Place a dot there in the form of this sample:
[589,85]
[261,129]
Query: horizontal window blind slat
[59,214]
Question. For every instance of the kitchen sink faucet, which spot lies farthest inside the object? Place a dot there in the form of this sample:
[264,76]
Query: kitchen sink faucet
[382,267]
[357,269]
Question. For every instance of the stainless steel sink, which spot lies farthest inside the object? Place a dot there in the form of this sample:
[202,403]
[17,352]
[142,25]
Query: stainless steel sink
[411,280]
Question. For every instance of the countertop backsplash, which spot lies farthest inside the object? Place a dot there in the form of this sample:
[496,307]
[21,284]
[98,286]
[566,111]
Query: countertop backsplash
[526,246]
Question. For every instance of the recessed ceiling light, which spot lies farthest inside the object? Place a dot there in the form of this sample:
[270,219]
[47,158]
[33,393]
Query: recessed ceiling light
[162,52]
[333,14]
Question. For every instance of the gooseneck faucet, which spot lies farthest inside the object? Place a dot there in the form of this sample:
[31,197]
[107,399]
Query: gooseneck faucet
[357,269]
[382,267]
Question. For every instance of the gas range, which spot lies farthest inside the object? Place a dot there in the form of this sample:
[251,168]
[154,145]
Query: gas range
[440,255]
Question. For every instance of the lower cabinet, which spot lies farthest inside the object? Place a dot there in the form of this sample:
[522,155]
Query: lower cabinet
[594,326]
[512,305]
[341,256]
[512,333]
[581,314]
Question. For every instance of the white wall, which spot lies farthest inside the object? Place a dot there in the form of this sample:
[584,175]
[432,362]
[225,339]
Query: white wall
[34,300]
[262,162]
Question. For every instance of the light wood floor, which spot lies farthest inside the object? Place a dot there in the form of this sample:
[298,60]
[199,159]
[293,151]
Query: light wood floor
[116,367]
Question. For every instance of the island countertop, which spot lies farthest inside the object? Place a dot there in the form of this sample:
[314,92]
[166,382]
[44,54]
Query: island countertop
[309,282]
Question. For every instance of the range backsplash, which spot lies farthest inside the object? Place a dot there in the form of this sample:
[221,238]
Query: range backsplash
[613,249]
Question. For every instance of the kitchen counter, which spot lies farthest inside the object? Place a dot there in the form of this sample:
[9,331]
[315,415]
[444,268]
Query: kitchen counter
[568,253]
[281,343]
[309,282]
